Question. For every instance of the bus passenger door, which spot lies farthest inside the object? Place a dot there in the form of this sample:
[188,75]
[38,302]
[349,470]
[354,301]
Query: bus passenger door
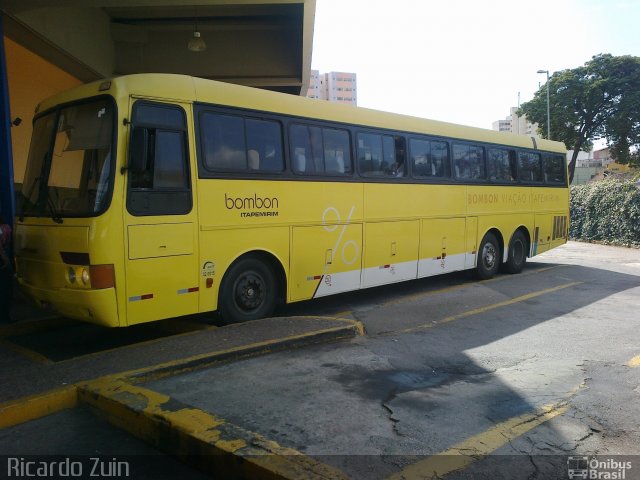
[160,217]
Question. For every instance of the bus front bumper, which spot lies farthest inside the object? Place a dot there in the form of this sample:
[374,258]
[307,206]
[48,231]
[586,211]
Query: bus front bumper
[94,306]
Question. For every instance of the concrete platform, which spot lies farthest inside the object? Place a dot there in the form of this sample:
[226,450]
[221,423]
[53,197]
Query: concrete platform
[27,372]
[84,437]
[42,388]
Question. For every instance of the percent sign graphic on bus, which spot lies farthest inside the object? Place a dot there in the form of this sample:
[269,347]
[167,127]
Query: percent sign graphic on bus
[349,252]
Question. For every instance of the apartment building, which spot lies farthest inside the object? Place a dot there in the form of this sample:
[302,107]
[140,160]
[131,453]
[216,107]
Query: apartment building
[514,123]
[339,87]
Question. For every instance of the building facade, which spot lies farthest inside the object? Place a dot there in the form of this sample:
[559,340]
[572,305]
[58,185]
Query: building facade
[514,123]
[338,87]
[314,90]
[595,165]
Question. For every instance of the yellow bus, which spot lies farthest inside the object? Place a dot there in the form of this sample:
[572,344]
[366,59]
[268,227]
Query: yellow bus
[153,196]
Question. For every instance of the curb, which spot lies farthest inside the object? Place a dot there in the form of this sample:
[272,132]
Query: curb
[36,406]
[20,410]
[198,438]
[176,367]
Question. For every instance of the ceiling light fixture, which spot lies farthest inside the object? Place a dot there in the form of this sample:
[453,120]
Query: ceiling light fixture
[196,43]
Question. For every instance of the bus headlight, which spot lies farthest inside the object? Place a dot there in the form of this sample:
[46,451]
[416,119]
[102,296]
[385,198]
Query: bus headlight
[93,277]
[71,275]
[86,278]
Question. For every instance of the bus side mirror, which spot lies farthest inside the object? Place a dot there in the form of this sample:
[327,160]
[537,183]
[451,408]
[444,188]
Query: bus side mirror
[139,150]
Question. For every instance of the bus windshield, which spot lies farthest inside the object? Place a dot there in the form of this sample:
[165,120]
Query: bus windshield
[71,162]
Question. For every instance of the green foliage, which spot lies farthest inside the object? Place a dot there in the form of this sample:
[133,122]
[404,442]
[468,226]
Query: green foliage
[600,100]
[607,212]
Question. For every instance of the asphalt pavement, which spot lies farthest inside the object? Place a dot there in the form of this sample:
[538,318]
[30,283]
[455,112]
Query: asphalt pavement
[505,378]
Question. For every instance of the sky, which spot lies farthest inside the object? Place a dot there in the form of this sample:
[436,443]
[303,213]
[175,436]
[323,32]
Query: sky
[465,61]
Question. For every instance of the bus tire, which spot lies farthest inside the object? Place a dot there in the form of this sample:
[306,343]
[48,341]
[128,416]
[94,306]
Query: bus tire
[488,260]
[517,253]
[248,291]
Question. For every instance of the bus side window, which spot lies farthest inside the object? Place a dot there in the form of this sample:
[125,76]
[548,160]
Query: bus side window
[468,161]
[170,170]
[264,144]
[337,151]
[394,156]
[223,139]
[530,167]
[513,165]
[237,144]
[301,148]
[421,165]
[400,156]
[430,158]
[381,155]
[440,159]
[145,149]
[370,161]
[317,151]
[299,160]
[500,165]
[554,169]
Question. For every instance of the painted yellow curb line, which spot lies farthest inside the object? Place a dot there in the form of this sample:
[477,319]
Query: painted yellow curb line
[484,309]
[29,408]
[35,406]
[198,438]
[463,454]
[25,352]
[468,284]
[634,362]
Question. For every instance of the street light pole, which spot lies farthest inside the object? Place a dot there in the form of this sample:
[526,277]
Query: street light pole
[548,106]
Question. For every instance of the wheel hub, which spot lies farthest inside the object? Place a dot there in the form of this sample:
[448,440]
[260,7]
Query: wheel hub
[249,292]
[489,256]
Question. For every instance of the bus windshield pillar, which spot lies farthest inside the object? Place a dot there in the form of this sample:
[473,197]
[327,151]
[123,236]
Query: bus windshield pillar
[7,196]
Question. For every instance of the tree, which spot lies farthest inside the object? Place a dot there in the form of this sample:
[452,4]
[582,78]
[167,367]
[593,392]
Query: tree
[600,100]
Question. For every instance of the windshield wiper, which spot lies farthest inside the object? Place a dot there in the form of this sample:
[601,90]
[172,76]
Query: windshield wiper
[55,216]
[27,198]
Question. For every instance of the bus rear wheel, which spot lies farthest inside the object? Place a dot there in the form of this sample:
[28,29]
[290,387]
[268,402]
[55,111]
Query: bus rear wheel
[488,257]
[517,253]
[248,291]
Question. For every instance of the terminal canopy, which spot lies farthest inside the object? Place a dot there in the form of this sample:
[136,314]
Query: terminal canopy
[260,43]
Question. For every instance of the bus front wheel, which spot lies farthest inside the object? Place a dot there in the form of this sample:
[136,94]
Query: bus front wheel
[248,291]
[517,253]
[488,257]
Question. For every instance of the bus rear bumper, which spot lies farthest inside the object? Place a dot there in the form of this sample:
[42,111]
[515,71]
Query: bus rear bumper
[94,306]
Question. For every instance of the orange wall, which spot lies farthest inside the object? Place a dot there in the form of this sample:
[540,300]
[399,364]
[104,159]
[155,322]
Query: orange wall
[31,79]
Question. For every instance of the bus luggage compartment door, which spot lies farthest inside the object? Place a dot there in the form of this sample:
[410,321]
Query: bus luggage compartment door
[391,252]
[325,260]
[442,246]
[162,273]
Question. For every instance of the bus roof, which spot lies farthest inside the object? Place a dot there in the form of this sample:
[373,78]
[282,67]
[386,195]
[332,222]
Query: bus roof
[192,89]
